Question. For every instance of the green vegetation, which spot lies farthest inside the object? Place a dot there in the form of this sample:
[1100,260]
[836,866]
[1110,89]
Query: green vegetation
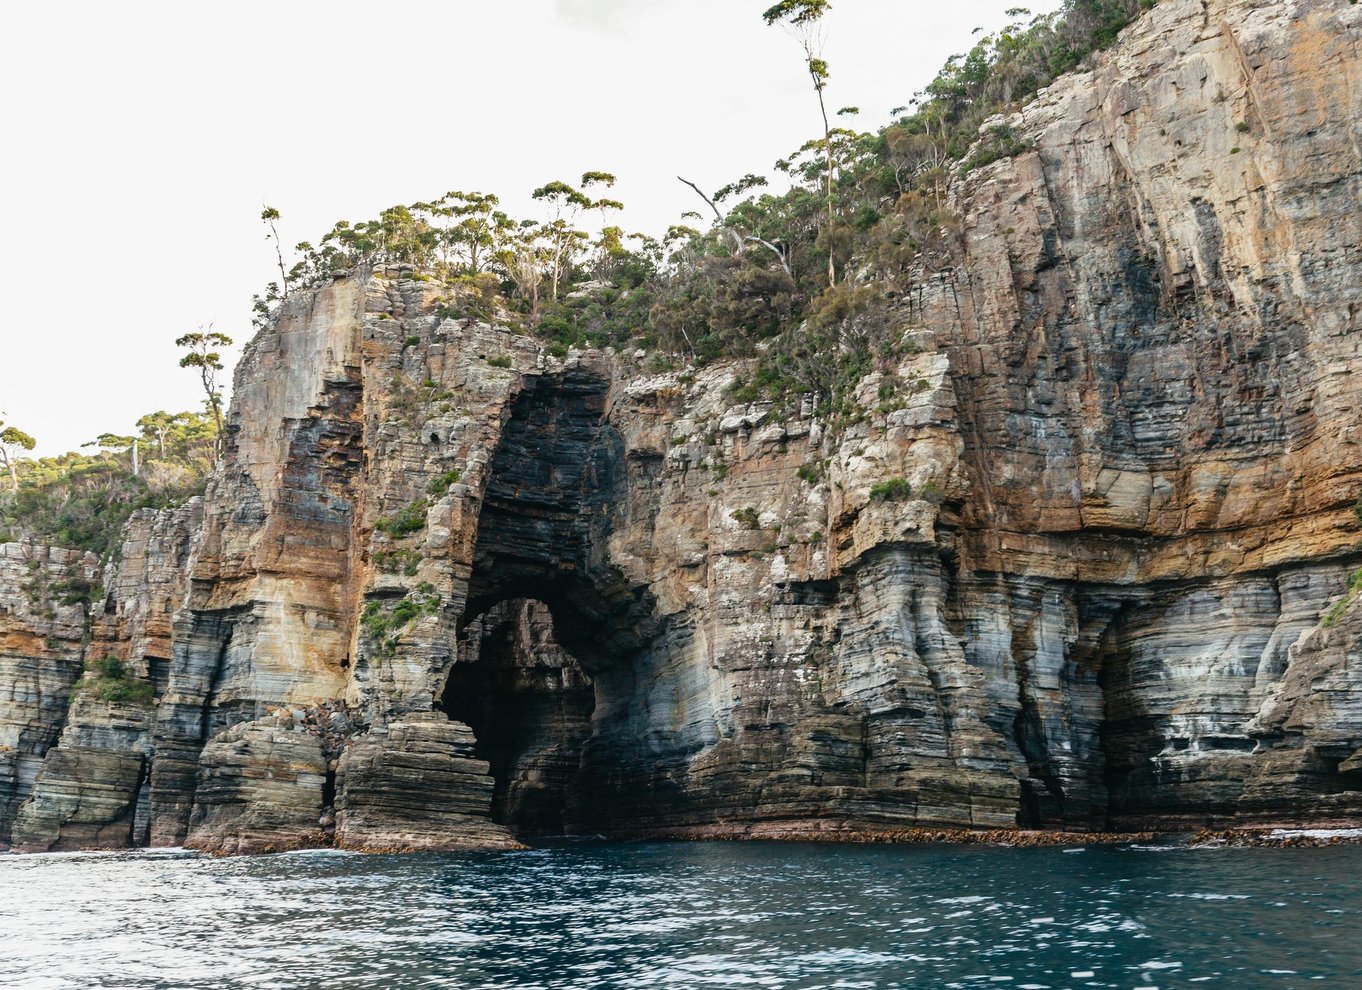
[407,520]
[383,621]
[81,500]
[13,442]
[440,484]
[109,679]
[398,561]
[893,490]
[1335,612]
[746,517]
[76,590]
[201,353]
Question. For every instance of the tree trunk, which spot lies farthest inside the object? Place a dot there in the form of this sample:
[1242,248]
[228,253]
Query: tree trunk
[279,254]
[827,145]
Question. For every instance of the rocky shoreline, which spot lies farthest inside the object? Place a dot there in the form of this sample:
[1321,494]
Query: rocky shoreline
[831,832]
[1279,838]
[1286,836]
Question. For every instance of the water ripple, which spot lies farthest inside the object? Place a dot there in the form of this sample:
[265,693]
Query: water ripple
[677,916]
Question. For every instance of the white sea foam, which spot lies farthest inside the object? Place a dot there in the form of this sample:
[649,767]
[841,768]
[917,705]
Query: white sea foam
[161,852]
[1316,833]
[1213,897]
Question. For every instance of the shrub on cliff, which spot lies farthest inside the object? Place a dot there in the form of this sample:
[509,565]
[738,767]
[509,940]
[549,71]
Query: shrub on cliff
[747,517]
[109,679]
[893,490]
[407,520]
[383,622]
[1335,612]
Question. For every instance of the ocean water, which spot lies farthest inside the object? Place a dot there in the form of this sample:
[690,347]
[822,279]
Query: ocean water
[677,915]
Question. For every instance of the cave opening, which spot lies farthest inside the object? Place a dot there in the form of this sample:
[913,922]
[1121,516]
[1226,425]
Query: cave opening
[548,617]
[529,704]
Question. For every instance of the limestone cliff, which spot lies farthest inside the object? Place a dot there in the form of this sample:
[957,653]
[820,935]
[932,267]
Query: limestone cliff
[1070,569]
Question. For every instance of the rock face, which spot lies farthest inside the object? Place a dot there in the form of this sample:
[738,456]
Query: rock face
[416,785]
[92,790]
[1084,562]
[41,651]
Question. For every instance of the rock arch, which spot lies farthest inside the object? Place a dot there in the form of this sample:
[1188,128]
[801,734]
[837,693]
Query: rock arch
[546,611]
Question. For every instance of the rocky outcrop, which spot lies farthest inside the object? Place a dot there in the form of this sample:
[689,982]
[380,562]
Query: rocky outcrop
[1309,728]
[93,788]
[1075,564]
[261,789]
[87,793]
[43,601]
[416,785]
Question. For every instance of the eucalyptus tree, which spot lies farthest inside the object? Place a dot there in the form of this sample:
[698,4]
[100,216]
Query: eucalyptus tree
[560,238]
[477,227]
[116,443]
[268,216]
[13,443]
[522,255]
[183,438]
[610,242]
[803,19]
[201,352]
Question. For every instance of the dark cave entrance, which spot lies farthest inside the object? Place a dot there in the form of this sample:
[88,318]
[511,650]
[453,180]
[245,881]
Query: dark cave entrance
[547,614]
[529,703]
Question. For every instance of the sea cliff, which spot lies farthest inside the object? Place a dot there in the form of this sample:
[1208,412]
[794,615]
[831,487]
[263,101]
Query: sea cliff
[1080,562]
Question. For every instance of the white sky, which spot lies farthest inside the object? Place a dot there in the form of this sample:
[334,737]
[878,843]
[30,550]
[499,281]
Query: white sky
[140,140]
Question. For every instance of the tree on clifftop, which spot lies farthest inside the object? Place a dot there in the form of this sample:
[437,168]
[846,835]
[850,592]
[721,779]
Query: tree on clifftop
[12,441]
[803,19]
[202,355]
[267,216]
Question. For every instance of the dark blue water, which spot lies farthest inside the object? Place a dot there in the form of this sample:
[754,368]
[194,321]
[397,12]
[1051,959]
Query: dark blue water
[711,915]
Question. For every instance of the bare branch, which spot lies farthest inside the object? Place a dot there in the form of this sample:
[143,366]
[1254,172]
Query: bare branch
[778,252]
[717,215]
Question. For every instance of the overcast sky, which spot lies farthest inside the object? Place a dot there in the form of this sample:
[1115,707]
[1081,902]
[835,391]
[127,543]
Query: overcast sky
[141,140]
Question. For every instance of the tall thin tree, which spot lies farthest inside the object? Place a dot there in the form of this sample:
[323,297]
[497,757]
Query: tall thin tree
[803,20]
[267,216]
[201,347]
[13,441]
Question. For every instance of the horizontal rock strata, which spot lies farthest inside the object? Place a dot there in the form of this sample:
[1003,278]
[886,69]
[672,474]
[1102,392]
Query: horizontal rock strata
[419,786]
